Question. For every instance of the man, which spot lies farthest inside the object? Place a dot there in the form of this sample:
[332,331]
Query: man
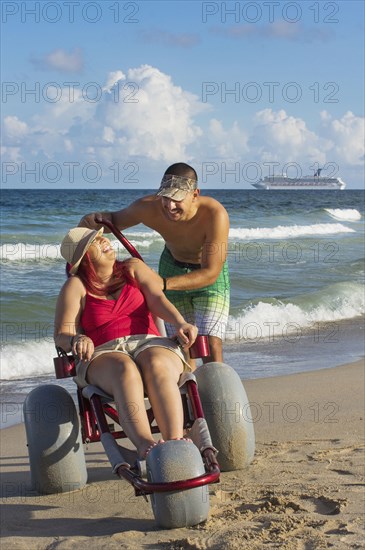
[193,268]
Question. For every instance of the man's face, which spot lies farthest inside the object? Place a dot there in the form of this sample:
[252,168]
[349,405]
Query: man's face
[179,210]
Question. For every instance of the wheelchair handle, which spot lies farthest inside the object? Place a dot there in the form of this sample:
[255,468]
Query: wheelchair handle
[121,238]
[200,348]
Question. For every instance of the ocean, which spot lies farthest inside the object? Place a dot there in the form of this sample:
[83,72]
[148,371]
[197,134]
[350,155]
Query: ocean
[296,261]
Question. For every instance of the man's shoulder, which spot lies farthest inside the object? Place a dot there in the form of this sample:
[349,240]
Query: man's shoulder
[142,207]
[147,200]
[212,204]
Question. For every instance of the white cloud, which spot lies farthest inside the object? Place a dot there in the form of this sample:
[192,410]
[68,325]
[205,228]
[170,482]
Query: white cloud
[347,135]
[181,40]
[60,60]
[285,138]
[108,134]
[11,154]
[297,32]
[14,129]
[230,143]
[112,79]
[278,30]
[276,136]
[150,116]
[143,116]
[140,114]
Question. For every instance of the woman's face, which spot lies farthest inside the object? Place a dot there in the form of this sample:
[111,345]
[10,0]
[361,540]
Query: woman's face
[101,251]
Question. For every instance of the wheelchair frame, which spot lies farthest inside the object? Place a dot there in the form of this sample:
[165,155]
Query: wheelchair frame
[95,409]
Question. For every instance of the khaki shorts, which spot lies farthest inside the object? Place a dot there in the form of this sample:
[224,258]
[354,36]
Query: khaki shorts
[131,346]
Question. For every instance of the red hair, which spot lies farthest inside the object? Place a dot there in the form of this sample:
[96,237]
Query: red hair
[94,284]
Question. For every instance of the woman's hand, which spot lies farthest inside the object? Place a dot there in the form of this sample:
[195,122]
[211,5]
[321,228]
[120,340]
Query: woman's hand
[82,347]
[186,334]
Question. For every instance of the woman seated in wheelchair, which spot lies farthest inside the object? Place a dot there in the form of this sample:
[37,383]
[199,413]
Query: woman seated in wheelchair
[104,316]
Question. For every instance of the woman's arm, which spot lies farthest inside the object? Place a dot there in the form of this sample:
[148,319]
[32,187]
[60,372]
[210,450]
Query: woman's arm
[67,320]
[149,283]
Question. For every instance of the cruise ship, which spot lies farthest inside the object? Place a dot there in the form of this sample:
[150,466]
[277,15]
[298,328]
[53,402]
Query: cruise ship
[305,182]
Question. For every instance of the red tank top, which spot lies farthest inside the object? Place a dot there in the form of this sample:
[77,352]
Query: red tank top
[104,320]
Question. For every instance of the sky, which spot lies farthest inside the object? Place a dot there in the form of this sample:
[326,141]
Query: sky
[110,93]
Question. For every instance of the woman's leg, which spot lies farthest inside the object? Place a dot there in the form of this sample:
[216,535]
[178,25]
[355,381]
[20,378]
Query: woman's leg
[118,375]
[161,370]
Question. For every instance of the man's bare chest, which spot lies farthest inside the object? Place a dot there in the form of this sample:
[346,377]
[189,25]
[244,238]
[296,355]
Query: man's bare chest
[185,241]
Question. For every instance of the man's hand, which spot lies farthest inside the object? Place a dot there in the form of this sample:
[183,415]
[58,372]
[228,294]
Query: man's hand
[163,283]
[89,220]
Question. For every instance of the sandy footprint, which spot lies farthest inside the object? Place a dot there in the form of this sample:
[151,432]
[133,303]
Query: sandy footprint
[323,505]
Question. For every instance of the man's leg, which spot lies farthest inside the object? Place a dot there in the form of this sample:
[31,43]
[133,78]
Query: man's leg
[211,314]
[207,308]
[216,350]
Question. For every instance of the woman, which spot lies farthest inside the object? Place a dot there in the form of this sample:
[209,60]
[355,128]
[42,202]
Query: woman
[103,315]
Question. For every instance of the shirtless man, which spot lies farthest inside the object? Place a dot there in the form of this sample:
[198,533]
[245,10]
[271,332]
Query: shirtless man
[193,268]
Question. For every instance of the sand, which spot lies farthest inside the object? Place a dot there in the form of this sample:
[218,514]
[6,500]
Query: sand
[304,489]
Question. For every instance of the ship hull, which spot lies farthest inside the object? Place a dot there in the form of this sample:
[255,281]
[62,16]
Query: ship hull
[304,184]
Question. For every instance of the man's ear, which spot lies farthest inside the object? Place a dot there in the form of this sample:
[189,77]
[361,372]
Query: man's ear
[196,193]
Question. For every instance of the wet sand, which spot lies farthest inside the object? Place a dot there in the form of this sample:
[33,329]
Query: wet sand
[304,489]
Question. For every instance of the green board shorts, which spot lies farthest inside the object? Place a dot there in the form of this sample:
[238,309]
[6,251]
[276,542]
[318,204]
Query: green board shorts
[206,307]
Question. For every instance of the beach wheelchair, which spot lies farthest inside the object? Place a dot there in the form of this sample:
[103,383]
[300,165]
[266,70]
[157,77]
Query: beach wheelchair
[217,421]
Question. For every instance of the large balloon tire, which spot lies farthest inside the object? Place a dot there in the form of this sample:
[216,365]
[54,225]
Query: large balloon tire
[174,461]
[227,412]
[56,454]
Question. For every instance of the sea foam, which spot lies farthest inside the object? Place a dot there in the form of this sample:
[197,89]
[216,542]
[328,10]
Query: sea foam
[345,214]
[50,252]
[289,231]
[27,359]
[265,319]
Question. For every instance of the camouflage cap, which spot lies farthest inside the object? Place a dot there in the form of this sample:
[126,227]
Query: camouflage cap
[176,187]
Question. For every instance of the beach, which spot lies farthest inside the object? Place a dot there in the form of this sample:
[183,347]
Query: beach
[296,314]
[303,490]
[102,100]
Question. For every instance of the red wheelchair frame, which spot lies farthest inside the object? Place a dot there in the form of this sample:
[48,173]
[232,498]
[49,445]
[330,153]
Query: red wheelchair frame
[95,410]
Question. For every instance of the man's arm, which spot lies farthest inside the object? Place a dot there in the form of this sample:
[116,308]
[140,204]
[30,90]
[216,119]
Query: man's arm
[213,255]
[135,213]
